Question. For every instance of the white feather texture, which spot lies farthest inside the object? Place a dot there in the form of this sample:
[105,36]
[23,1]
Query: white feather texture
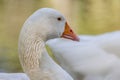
[85,58]
[37,29]
[13,76]
[109,42]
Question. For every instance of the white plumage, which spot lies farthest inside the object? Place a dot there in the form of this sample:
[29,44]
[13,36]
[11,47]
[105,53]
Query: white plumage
[93,58]
[41,26]
[13,76]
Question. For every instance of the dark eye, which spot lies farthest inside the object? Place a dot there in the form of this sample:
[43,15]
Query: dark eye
[59,19]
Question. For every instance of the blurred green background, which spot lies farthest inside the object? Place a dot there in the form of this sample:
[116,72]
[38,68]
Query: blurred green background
[84,16]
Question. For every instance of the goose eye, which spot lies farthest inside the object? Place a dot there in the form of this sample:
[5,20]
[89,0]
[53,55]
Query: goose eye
[59,19]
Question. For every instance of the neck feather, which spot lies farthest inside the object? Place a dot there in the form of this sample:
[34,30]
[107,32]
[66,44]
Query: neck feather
[36,62]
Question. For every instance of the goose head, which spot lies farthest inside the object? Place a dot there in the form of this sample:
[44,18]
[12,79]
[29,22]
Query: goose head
[48,23]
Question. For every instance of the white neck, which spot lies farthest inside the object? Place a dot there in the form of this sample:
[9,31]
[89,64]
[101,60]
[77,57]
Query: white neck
[37,63]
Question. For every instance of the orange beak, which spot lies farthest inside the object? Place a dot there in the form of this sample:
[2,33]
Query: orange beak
[69,34]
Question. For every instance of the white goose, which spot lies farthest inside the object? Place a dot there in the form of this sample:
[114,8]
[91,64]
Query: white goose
[43,25]
[89,57]
[13,76]
[108,41]
[85,59]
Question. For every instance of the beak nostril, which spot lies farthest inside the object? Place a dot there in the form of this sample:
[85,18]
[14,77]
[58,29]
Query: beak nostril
[71,31]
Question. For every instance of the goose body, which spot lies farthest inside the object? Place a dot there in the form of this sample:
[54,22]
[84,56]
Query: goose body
[81,59]
[109,42]
[13,76]
[41,26]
